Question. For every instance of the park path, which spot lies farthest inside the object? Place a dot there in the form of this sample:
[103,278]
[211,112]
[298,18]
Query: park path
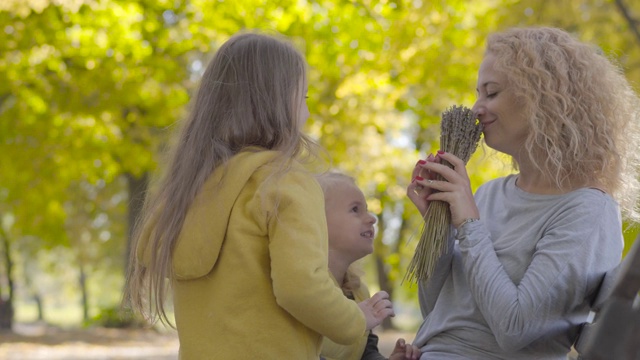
[38,341]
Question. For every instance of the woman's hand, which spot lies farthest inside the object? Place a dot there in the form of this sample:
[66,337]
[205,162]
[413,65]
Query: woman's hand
[402,351]
[416,191]
[376,309]
[456,190]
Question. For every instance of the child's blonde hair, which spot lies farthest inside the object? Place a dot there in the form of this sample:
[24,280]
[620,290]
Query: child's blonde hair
[327,180]
[582,112]
[249,97]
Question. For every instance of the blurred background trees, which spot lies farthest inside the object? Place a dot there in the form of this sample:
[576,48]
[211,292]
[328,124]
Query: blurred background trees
[91,89]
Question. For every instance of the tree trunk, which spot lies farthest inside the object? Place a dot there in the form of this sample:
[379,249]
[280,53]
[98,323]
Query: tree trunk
[383,269]
[137,190]
[383,280]
[383,273]
[6,303]
[28,274]
[35,294]
[38,299]
[6,314]
[85,294]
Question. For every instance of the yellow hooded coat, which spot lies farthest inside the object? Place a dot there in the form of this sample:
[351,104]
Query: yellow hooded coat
[334,351]
[251,283]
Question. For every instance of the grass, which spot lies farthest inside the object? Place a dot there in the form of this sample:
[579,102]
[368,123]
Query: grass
[69,315]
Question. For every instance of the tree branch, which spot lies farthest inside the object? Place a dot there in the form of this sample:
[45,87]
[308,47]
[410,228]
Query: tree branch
[633,23]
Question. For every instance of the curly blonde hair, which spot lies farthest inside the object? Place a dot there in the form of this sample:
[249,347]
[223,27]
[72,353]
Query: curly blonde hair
[583,113]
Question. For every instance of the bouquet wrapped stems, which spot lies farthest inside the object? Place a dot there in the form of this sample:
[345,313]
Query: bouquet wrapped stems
[459,135]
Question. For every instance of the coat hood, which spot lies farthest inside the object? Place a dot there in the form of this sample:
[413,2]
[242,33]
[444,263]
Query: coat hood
[205,225]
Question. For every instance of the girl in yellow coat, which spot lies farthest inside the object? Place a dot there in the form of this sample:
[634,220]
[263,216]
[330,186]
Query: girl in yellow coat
[351,233]
[235,229]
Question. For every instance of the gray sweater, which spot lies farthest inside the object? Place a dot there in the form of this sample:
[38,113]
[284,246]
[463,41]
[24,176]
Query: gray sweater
[517,283]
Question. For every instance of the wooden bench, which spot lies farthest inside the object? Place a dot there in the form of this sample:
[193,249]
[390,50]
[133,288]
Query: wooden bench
[614,333]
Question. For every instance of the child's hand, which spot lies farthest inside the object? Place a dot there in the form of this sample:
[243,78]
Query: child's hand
[376,309]
[402,351]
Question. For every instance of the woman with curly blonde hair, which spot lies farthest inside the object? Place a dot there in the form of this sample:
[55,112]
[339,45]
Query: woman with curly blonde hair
[531,248]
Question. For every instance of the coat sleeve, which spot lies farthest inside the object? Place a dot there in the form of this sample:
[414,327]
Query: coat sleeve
[298,248]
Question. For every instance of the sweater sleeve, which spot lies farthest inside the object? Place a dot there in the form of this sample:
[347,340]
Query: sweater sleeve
[298,248]
[579,244]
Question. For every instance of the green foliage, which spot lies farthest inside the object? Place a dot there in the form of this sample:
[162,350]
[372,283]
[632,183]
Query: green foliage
[631,234]
[600,22]
[91,87]
[116,317]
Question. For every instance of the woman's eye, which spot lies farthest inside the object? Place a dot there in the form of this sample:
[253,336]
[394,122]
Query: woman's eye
[354,209]
[492,95]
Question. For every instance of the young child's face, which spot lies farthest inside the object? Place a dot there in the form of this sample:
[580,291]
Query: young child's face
[350,225]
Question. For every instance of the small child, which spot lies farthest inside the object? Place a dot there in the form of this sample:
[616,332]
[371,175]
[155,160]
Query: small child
[235,229]
[351,234]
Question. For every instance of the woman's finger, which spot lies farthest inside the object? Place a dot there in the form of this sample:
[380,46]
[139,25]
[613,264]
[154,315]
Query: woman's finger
[445,171]
[458,165]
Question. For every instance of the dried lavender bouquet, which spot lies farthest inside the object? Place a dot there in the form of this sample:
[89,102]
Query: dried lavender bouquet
[459,135]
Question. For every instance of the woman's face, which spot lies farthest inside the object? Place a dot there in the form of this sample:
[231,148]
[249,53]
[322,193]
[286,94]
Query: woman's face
[499,111]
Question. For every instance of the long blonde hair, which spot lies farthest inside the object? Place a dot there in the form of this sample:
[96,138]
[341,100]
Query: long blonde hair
[249,97]
[583,114]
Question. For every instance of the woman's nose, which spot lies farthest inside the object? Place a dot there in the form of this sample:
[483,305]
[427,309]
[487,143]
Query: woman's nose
[478,109]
